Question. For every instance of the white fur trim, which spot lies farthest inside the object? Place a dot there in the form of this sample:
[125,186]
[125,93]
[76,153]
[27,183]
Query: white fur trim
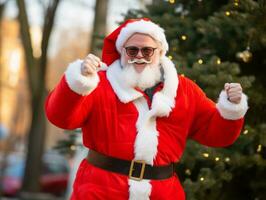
[146,142]
[161,104]
[145,148]
[78,83]
[124,93]
[229,110]
[139,190]
[164,101]
[145,27]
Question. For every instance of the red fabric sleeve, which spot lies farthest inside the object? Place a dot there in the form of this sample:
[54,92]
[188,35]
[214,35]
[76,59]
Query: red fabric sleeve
[67,109]
[209,127]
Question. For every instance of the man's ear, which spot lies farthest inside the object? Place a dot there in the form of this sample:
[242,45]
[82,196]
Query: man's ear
[161,52]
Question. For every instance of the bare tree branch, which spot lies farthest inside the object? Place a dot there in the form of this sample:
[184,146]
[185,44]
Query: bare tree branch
[36,68]
[26,41]
[47,29]
[99,25]
[2,5]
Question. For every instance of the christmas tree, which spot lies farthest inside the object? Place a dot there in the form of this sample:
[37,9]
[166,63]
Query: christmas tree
[214,42]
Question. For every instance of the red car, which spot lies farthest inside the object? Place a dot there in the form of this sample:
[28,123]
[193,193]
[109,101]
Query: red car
[54,176]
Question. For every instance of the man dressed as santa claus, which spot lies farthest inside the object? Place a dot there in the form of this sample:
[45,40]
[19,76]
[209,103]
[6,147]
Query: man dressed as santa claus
[136,114]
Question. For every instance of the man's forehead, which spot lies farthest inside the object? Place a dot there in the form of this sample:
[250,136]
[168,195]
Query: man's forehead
[141,38]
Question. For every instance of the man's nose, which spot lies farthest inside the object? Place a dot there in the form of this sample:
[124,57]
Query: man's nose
[139,55]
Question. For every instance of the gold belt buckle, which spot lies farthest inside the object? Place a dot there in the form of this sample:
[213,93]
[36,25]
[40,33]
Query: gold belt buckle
[142,162]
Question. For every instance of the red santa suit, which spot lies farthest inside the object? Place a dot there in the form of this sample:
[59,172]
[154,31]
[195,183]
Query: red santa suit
[122,122]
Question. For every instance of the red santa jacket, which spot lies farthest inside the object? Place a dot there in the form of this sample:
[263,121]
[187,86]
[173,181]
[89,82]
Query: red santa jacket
[122,122]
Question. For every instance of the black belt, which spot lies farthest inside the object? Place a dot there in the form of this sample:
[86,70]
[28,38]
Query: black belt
[135,169]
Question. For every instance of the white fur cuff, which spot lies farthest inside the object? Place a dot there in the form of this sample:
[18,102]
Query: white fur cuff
[230,110]
[77,82]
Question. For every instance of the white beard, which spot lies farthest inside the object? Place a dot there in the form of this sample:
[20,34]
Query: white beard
[149,77]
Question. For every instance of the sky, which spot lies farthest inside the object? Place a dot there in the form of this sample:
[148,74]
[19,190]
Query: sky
[75,14]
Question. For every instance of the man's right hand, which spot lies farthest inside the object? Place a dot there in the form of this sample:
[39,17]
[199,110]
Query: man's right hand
[90,65]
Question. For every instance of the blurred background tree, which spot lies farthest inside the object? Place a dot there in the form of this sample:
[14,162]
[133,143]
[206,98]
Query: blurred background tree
[36,66]
[214,42]
[99,27]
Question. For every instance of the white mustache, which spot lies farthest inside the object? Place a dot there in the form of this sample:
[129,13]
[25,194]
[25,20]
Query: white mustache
[141,60]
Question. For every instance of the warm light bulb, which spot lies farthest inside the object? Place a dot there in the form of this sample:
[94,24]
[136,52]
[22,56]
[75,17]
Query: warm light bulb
[245,132]
[227,13]
[183,37]
[188,172]
[259,148]
[170,57]
[201,178]
[200,61]
[227,159]
[206,155]
[218,61]
[217,159]
[171,1]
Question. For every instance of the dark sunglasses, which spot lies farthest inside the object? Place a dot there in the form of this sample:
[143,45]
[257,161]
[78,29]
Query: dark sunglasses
[133,51]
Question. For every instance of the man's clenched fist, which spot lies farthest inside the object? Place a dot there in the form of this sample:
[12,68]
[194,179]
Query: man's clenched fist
[90,65]
[234,92]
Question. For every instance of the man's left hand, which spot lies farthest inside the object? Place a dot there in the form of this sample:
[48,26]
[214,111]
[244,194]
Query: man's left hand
[234,92]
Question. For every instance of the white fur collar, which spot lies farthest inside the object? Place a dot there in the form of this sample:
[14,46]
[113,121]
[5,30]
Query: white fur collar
[127,94]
